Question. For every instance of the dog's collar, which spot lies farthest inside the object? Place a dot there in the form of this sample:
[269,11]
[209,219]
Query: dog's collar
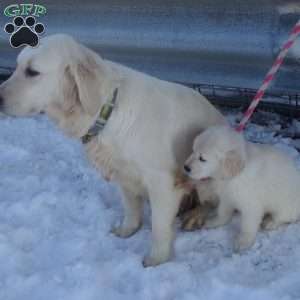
[104,114]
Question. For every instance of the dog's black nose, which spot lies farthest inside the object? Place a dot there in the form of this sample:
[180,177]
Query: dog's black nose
[187,168]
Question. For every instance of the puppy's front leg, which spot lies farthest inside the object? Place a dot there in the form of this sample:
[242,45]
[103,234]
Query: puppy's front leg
[133,206]
[164,201]
[223,216]
[251,219]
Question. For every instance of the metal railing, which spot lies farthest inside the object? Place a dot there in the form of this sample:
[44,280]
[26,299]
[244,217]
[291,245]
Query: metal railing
[222,46]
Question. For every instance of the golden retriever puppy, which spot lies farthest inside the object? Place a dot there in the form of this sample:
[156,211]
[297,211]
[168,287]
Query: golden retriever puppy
[256,180]
[148,131]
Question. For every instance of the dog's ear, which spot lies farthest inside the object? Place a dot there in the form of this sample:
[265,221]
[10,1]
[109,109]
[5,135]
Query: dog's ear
[232,164]
[70,91]
[89,81]
[88,85]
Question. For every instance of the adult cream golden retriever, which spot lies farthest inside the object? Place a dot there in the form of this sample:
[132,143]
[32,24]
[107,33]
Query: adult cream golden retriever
[146,138]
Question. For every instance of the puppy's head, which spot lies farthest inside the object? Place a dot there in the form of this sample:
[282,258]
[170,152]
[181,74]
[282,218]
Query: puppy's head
[218,153]
[60,77]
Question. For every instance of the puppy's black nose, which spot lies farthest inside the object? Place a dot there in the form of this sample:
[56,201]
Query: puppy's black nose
[187,168]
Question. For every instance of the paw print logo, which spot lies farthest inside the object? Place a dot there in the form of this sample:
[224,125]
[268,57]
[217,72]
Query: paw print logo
[24,31]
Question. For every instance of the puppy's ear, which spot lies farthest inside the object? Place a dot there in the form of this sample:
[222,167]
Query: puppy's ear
[232,164]
[92,81]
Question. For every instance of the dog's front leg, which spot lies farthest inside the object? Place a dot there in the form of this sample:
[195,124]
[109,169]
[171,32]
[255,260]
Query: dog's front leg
[133,209]
[251,218]
[223,216]
[164,201]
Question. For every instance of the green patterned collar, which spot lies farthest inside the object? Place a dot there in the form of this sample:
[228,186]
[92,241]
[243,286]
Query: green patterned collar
[104,115]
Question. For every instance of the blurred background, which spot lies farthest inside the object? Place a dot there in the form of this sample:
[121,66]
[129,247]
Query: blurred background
[222,48]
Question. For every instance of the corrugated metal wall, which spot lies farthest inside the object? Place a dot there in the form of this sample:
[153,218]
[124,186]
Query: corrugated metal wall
[230,43]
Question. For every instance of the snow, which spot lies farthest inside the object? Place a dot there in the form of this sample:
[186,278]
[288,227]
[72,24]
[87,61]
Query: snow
[55,240]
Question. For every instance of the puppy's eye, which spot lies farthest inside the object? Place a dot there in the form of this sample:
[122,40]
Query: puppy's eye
[31,73]
[202,159]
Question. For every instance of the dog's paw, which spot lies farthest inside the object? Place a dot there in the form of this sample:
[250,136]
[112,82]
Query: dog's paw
[213,222]
[124,232]
[243,242]
[269,223]
[24,31]
[150,261]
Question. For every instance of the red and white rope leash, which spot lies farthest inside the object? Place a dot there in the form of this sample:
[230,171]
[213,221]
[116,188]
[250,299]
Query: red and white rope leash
[270,76]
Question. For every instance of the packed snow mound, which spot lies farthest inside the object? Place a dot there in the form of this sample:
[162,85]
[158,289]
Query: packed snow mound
[55,242]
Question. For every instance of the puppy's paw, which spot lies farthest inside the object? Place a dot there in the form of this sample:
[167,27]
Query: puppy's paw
[213,222]
[124,231]
[269,223]
[150,261]
[243,242]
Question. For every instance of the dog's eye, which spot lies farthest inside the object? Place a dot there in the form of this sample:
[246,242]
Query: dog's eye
[31,73]
[202,159]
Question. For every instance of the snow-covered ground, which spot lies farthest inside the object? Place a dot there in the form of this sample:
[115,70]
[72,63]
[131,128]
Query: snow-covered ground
[55,240]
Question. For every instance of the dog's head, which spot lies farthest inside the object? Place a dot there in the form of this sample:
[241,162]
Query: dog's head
[62,78]
[218,153]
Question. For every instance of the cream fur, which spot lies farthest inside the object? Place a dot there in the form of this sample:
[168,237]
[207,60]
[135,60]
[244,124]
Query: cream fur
[146,139]
[256,180]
